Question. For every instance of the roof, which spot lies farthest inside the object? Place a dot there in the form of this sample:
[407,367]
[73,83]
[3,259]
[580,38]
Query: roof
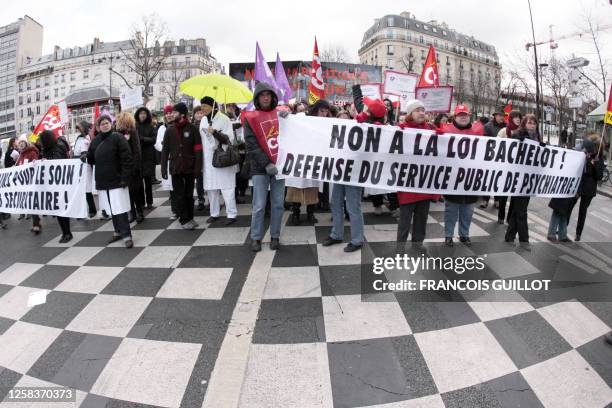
[598,113]
[87,95]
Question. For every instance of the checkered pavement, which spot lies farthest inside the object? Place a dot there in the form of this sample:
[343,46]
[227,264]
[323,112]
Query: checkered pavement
[144,327]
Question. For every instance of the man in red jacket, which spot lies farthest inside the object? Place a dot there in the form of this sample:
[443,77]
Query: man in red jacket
[460,207]
[414,207]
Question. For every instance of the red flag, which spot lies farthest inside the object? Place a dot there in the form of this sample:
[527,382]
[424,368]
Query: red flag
[507,111]
[429,76]
[316,88]
[51,121]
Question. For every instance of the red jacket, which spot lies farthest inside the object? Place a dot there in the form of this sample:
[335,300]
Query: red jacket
[475,130]
[30,154]
[405,197]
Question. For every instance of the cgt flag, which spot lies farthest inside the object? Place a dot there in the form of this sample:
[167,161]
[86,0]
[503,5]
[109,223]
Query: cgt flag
[429,76]
[316,88]
[507,111]
[51,121]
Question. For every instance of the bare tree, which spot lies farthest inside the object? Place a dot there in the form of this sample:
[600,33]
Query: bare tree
[171,88]
[334,53]
[593,29]
[146,57]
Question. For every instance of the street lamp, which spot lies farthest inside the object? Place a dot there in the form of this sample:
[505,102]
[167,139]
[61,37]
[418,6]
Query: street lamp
[535,57]
[541,67]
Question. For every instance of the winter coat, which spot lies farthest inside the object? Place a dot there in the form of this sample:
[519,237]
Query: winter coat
[30,154]
[134,145]
[492,128]
[111,155]
[256,157]
[473,130]
[406,197]
[562,206]
[591,175]
[147,137]
[8,159]
[182,148]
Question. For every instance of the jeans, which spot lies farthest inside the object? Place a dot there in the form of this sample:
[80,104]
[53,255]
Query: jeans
[182,186]
[454,212]
[261,182]
[122,226]
[518,219]
[353,207]
[419,211]
[557,226]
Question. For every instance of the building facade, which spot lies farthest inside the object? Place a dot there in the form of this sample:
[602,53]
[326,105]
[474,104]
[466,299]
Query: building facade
[20,42]
[401,43]
[95,73]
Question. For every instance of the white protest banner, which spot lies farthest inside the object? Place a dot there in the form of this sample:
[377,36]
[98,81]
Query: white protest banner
[370,90]
[45,187]
[347,152]
[131,98]
[436,99]
[398,83]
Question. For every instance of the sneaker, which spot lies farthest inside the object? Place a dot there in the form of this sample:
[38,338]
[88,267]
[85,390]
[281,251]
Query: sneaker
[449,242]
[551,238]
[200,206]
[21,217]
[155,181]
[189,225]
[92,214]
[525,245]
[210,220]
[129,243]
[465,241]
[256,245]
[36,229]
[566,239]
[378,210]
[577,238]
[174,217]
[230,221]
[352,248]
[274,244]
[331,241]
[104,215]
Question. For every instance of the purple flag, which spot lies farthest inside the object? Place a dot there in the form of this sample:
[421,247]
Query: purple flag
[262,70]
[285,92]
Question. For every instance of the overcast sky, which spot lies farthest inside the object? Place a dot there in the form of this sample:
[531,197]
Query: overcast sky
[231,28]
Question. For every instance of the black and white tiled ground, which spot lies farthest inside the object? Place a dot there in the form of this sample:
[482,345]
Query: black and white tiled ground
[194,318]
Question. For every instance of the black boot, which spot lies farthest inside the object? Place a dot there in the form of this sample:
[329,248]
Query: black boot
[139,216]
[295,216]
[311,218]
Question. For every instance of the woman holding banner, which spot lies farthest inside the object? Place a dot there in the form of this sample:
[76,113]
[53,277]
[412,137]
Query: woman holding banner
[460,207]
[110,153]
[126,125]
[53,150]
[514,123]
[27,152]
[414,207]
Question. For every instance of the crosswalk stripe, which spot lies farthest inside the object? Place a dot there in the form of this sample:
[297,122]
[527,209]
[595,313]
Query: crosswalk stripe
[485,214]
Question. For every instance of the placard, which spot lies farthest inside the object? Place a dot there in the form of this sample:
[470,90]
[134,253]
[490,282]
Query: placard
[398,83]
[436,100]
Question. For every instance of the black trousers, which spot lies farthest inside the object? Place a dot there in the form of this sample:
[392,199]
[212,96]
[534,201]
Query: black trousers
[200,186]
[122,225]
[91,204]
[518,219]
[501,211]
[148,189]
[585,201]
[182,186]
[64,224]
[413,215]
[136,198]
[241,184]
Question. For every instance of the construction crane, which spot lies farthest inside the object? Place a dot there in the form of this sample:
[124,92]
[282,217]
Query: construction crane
[553,41]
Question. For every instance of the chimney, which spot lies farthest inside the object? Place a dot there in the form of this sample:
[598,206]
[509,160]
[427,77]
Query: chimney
[96,43]
[56,50]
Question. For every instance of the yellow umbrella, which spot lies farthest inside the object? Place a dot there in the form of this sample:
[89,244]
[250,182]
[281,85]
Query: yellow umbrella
[222,88]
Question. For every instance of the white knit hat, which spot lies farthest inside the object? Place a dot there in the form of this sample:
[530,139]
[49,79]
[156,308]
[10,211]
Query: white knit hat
[412,105]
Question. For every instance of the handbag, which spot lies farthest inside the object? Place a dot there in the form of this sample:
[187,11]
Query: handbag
[226,158]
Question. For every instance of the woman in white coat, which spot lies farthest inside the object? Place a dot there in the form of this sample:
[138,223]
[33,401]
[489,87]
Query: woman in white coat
[216,129]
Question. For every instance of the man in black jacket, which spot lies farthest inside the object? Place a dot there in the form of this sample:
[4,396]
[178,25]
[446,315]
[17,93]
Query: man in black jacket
[491,129]
[182,147]
[147,137]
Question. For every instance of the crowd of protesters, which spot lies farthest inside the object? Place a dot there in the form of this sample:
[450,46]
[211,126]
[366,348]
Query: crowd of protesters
[125,150]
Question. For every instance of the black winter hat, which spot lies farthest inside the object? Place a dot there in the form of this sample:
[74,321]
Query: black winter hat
[207,100]
[181,108]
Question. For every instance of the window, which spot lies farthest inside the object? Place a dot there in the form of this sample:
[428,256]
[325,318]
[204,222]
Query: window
[425,27]
[421,39]
[434,29]
[187,61]
[436,43]
[29,85]
[56,79]
[447,60]
[408,36]
[47,80]
[37,96]
[417,25]
[72,88]
[73,76]
[443,32]
[38,82]
[161,76]
[56,93]
[29,99]
[174,62]
[20,99]
[390,63]
[21,87]
[20,113]
[390,22]
[63,77]
[389,49]
[63,91]
[46,94]
[38,109]
[85,73]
